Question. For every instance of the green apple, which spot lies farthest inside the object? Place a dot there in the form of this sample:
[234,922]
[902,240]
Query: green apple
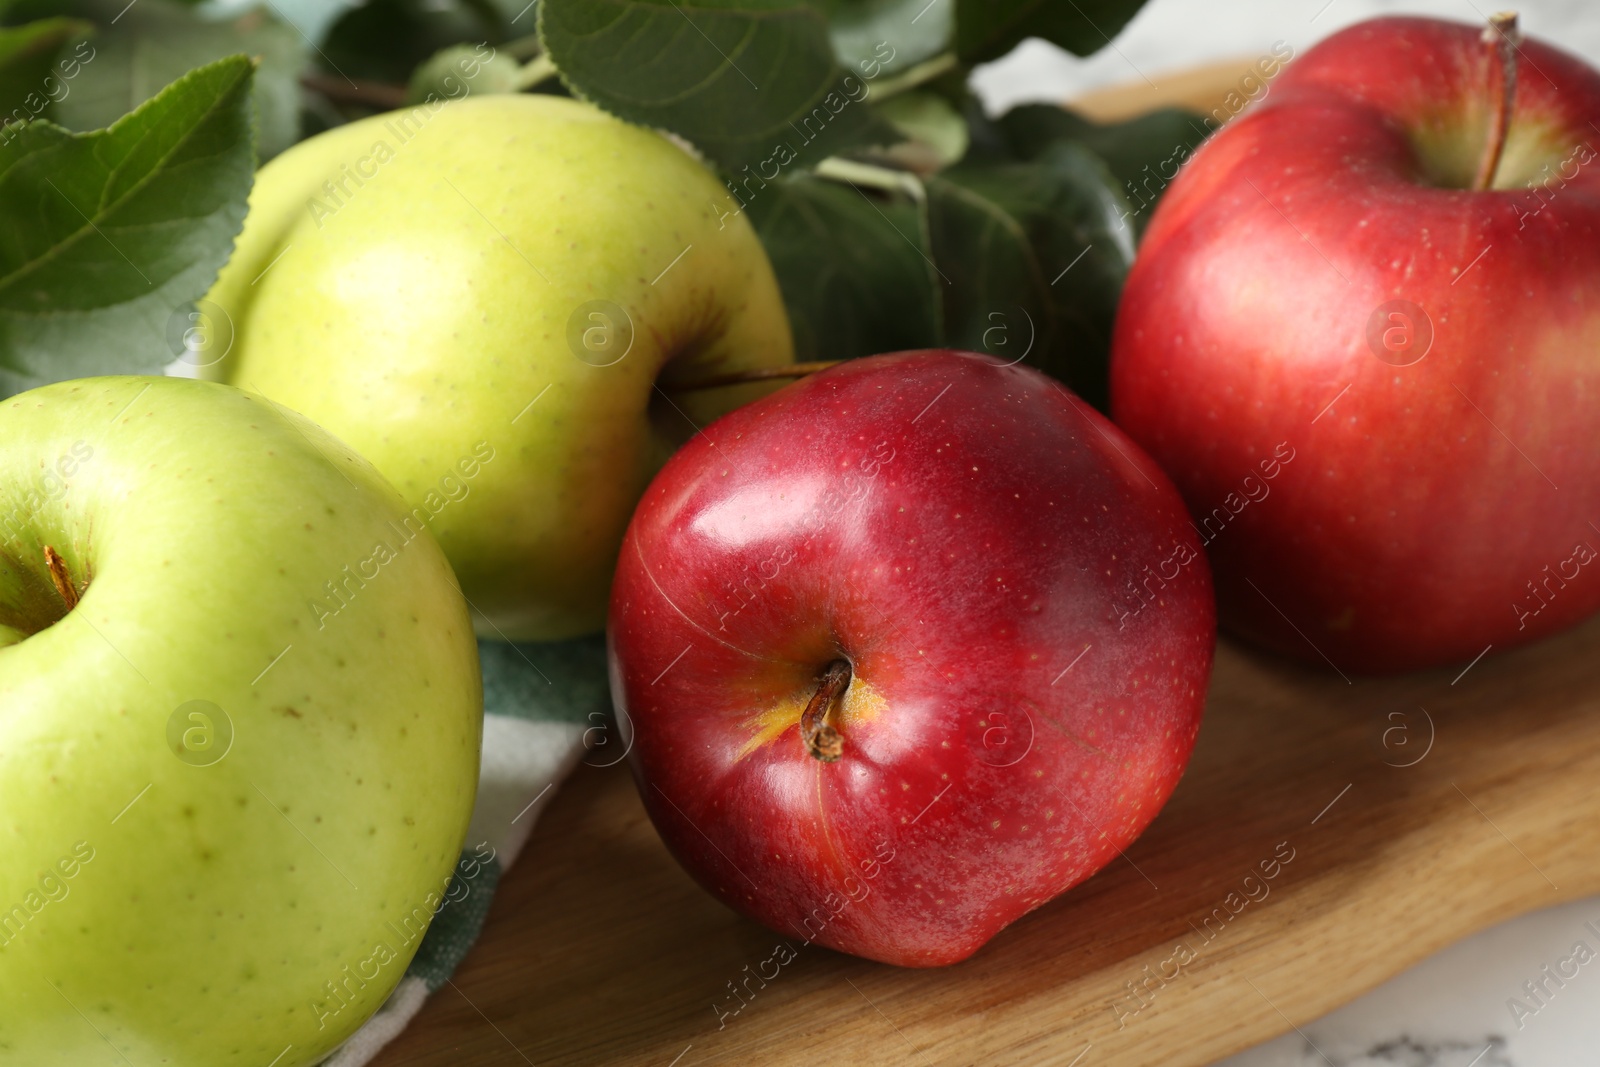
[240,713]
[512,285]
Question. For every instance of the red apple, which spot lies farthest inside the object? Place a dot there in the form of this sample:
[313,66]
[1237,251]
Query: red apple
[1322,293]
[908,648]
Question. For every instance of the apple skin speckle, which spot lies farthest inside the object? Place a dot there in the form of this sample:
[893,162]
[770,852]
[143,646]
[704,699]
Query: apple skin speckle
[259,864]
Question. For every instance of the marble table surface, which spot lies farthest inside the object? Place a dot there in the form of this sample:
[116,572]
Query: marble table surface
[1468,1006]
[1525,993]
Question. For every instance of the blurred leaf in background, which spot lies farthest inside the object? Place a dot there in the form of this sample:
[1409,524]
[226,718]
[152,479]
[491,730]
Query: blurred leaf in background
[1036,254]
[929,223]
[387,40]
[1010,236]
[311,17]
[139,48]
[750,83]
[854,268]
[1144,153]
[988,29]
[915,30]
[935,132]
[1022,260]
[106,240]
[33,68]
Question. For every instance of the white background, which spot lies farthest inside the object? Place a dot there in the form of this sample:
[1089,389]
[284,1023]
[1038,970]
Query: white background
[1170,35]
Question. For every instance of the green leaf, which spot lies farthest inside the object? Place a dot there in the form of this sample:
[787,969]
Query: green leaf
[936,132]
[29,80]
[987,142]
[988,29]
[1144,153]
[748,82]
[1023,260]
[853,266]
[107,237]
[1036,254]
[138,49]
[888,36]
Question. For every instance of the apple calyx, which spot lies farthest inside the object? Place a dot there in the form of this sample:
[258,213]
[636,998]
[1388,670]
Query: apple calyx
[822,741]
[61,577]
[1501,37]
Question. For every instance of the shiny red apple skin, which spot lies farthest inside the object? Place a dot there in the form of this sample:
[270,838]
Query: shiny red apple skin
[1423,502]
[962,533]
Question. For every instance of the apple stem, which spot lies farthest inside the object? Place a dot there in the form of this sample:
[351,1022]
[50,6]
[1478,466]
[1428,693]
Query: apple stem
[868,176]
[759,374]
[378,95]
[920,74]
[523,48]
[535,71]
[822,740]
[60,576]
[1501,38]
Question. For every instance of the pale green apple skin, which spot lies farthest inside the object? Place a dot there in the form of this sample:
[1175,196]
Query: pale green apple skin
[419,313]
[205,923]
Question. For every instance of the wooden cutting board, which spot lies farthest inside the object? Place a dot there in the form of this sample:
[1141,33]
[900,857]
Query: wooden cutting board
[1415,810]
[600,950]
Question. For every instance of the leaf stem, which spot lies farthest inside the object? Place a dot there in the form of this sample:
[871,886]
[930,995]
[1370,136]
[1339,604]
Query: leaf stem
[371,94]
[523,49]
[757,374]
[535,71]
[925,71]
[884,179]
